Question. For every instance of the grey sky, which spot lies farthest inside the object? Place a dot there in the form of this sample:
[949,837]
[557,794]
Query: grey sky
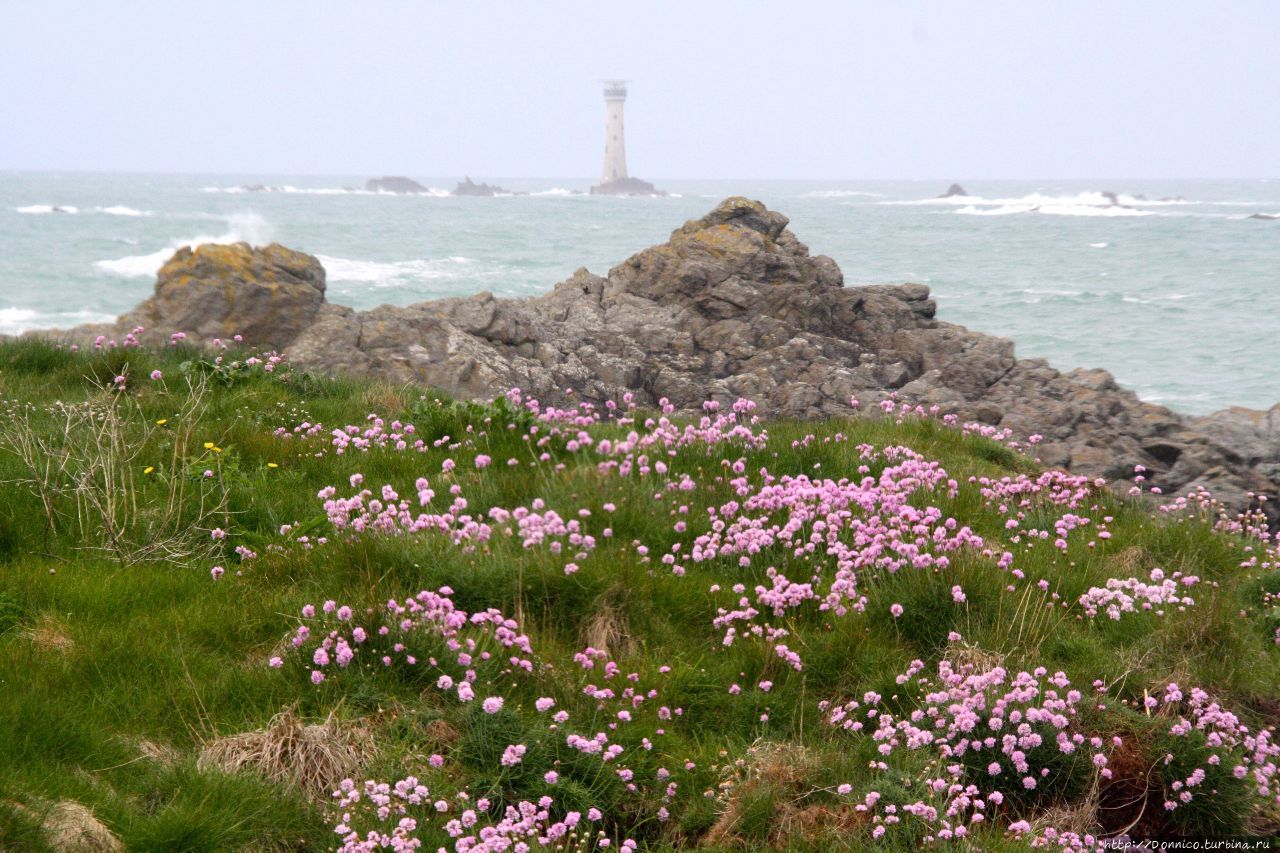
[719,90]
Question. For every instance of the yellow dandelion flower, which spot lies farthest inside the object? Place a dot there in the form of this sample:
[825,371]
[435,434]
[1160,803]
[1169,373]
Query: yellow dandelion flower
[148,469]
[162,421]
[208,445]
[216,449]
[272,465]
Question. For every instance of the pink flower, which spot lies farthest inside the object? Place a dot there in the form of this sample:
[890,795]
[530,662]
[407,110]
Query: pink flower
[216,572]
[896,610]
[482,461]
[551,777]
[156,375]
[492,705]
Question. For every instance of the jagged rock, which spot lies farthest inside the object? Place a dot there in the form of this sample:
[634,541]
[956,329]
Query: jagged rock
[626,186]
[733,304]
[268,295]
[469,187]
[1269,217]
[394,184]
[954,190]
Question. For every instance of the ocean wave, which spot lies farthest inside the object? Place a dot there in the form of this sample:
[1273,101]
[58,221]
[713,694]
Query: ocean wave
[841,194]
[432,192]
[47,208]
[241,227]
[1086,199]
[557,192]
[113,210]
[15,321]
[1054,210]
[396,273]
[1098,245]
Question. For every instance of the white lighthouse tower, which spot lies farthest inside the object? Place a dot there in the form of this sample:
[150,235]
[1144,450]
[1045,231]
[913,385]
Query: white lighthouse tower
[615,180]
[615,142]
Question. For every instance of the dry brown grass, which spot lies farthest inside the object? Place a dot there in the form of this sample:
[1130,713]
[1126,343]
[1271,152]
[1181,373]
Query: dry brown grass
[978,660]
[313,756]
[48,634]
[72,828]
[783,770]
[608,631]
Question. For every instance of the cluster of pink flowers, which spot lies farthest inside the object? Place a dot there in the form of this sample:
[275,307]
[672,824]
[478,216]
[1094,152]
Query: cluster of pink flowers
[521,827]
[1129,595]
[424,630]
[993,736]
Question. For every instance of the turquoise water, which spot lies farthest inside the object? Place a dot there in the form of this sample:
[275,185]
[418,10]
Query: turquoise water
[1180,299]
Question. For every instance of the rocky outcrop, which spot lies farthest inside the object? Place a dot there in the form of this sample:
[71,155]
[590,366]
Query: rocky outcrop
[394,184]
[953,191]
[626,186]
[268,295]
[471,188]
[732,305]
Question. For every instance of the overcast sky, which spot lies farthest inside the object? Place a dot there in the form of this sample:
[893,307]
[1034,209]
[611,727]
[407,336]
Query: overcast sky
[795,89]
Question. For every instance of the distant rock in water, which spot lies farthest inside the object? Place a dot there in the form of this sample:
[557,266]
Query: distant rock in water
[953,191]
[470,187]
[394,184]
[1267,216]
[732,305]
[626,186]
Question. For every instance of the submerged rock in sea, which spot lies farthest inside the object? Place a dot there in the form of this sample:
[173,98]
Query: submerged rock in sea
[394,184]
[626,186]
[732,305]
[954,190]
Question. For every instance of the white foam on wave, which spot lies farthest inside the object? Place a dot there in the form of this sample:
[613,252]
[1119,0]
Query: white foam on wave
[1098,245]
[842,194]
[432,192]
[113,210]
[394,273]
[1054,210]
[47,208]
[1040,200]
[241,227]
[556,192]
[15,321]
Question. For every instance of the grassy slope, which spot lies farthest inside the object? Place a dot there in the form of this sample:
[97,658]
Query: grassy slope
[97,656]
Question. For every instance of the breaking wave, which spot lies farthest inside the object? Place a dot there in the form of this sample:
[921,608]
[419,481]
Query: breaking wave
[1055,210]
[432,192]
[842,194]
[15,321]
[113,210]
[396,273]
[241,227]
[1087,199]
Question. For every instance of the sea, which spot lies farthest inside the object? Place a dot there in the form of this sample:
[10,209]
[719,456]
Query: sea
[1173,286]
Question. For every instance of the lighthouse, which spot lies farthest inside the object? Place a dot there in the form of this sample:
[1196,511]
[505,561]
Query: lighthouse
[615,180]
[615,142]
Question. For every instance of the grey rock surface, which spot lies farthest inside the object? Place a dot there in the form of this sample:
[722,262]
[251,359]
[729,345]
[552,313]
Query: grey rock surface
[732,305]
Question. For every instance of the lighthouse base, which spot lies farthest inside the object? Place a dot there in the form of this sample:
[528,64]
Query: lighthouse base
[626,186]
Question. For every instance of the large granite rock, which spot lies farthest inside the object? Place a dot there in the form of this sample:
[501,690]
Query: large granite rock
[732,305]
[269,295]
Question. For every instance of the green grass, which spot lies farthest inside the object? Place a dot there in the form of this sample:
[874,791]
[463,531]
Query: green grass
[101,655]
